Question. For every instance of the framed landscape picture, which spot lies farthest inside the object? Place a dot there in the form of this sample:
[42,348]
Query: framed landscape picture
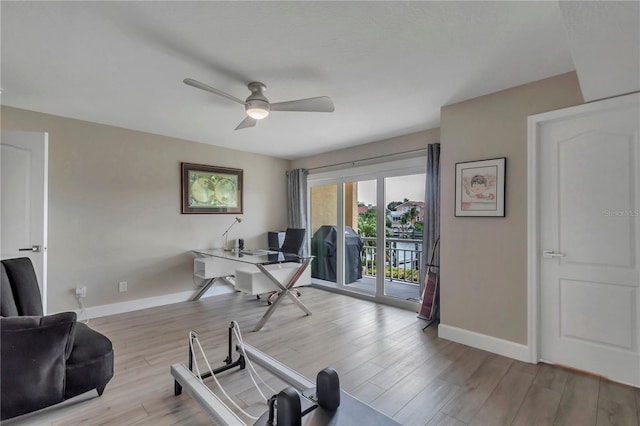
[480,188]
[211,189]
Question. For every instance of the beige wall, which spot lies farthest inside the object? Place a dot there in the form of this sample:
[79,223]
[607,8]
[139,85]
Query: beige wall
[324,206]
[351,205]
[114,208]
[484,263]
[325,196]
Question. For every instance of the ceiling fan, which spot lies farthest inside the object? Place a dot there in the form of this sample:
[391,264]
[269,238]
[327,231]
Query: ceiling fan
[257,106]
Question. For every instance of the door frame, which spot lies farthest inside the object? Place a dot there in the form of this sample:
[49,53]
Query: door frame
[45,225]
[533,205]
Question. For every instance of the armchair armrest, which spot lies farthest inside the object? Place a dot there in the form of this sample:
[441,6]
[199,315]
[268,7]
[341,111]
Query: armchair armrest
[34,350]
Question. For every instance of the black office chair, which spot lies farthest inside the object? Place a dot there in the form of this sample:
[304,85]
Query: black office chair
[293,241]
[292,244]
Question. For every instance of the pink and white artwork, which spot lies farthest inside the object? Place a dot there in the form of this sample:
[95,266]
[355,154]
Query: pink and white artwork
[480,188]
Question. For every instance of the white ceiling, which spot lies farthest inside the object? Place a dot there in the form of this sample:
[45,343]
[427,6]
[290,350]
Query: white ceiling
[388,66]
[604,38]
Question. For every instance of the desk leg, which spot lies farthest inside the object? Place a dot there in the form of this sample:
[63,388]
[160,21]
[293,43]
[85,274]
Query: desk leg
[207,284]
[286,290]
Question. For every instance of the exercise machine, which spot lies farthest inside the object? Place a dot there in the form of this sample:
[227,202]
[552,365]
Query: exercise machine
[302,402]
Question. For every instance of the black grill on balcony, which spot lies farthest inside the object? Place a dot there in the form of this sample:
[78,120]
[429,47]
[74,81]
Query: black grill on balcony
[324,248]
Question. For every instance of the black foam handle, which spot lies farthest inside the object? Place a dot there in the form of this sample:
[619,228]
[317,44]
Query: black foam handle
[328,389]
[288,408]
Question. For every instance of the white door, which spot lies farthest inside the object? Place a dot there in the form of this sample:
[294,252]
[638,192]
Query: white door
[23,183]
[589,230]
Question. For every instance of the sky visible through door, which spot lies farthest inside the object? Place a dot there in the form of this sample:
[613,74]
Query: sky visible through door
[399,188]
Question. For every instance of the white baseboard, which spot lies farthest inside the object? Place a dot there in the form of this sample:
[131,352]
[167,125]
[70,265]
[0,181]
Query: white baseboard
[149,302]
[487,343]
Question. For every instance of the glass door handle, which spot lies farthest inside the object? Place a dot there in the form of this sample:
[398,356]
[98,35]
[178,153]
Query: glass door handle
[35,249]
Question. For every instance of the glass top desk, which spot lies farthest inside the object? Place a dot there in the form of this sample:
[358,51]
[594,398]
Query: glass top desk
[211,264]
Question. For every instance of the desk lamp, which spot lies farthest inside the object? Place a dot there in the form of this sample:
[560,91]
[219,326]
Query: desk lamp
[224,236]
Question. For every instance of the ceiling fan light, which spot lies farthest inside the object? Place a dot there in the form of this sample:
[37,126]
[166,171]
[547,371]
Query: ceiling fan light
[257,113]
[257,109]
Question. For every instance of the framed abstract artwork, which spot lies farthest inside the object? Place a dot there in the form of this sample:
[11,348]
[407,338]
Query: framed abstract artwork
[480,188]
[211,189]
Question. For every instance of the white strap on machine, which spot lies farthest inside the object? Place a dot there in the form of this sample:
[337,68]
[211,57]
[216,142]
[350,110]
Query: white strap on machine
[193,336]
[238,334]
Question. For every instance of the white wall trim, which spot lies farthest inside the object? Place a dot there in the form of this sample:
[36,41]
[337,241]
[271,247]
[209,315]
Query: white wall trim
[486,343]
[149,302]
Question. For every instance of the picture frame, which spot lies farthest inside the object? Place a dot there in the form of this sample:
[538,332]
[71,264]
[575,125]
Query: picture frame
[211,189]
[480,188]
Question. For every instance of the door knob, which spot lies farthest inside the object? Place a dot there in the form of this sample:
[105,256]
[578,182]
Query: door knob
[551,253]
[35,249]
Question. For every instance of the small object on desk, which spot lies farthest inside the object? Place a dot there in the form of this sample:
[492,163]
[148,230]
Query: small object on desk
[240,244]
[258,252]
[275,239]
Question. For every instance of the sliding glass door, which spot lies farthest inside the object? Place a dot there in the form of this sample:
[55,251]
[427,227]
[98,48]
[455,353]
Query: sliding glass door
[404,203]
[367,230]
[359,231]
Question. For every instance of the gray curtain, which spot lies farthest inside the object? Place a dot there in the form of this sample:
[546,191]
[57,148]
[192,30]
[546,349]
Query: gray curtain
[297,202]
[432,202]
[432,209]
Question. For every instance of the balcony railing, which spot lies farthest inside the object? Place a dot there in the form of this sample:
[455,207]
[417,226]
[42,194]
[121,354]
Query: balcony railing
[403,257]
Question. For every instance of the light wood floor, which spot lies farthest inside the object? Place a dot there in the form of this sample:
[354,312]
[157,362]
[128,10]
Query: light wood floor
[381,354]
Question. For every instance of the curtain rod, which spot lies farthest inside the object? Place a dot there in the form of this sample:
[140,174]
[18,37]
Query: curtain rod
[355,162]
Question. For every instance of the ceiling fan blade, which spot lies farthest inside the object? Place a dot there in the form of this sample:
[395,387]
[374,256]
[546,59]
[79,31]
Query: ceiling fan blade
[319,104]
[247,122]
[202,86]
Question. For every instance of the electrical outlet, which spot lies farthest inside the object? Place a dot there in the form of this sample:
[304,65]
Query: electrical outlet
[81,291]
[122,286]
